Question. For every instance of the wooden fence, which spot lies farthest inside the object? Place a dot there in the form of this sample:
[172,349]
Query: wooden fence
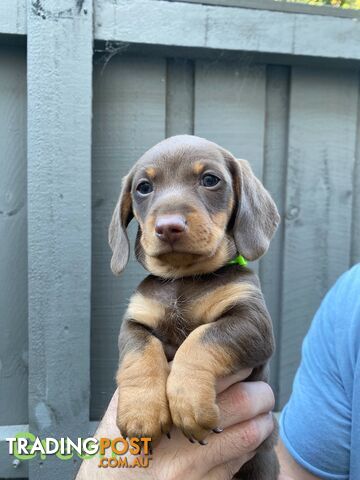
[85,88]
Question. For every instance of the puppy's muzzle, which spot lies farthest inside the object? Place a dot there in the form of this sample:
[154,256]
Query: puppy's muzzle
[170,228]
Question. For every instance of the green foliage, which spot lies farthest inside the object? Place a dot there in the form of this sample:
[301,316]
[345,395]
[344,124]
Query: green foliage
[354,4]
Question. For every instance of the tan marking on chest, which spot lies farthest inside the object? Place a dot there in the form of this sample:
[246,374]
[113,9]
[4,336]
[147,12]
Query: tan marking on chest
[212,305]
[145,310]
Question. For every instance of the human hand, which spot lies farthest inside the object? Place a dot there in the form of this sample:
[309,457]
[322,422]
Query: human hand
[244,412]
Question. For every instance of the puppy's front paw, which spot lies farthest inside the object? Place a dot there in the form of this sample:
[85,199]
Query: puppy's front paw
[143,411]
[192,404]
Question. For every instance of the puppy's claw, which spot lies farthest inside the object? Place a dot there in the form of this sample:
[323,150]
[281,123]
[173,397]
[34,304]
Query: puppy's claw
[191,440]
[168,435]
[203,442]
[218,430]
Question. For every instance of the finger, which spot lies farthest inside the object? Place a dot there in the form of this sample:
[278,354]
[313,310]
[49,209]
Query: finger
[225,382]
[238,441]
[244,401]
[228,470]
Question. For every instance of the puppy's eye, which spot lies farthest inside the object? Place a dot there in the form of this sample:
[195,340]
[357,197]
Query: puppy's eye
[209,180]
[144,188]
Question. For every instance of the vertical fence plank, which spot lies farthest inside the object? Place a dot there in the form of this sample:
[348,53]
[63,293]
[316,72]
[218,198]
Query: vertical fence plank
[274,178]
[129,118]
[230,109]
[322,131]
[13,254]
[59,222]
[179,97]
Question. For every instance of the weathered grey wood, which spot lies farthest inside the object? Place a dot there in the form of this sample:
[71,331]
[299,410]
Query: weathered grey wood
[280,6]
[332,36]
[59,222]
[274,178]
[322,132]
[13,13]
[13,17]
[179,97]
[195,25]
[192,24]
[13,254]
[230,108]
[129,117]
[9,466]
[355,241]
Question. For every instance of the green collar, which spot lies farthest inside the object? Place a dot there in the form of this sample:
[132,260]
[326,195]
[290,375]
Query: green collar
[239,260]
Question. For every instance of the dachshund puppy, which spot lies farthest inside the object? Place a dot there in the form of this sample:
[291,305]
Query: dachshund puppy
[197,208]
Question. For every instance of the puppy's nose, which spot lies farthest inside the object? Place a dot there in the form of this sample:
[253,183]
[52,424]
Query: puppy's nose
[169,228]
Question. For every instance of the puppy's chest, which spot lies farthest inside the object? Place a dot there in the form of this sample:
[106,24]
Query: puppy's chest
[167,308]
[180,316]
[172,310]
[177,308]
[177,320]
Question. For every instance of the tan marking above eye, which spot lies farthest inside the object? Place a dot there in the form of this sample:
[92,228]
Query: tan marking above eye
[212,305]
[198,167]
[145,310]
[151,172]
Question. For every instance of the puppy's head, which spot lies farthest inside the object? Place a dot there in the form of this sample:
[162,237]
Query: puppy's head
[197,207]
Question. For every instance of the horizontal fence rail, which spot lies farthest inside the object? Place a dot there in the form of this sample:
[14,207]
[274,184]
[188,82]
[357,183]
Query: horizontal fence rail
[194,24]
[280,6]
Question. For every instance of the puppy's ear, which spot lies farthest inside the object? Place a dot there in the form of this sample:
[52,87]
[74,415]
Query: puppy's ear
[256,217]
[118,239]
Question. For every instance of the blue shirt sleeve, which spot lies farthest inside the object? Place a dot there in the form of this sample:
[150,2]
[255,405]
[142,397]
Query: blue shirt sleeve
[315,425]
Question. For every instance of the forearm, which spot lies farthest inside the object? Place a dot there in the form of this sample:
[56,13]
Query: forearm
[290,470]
